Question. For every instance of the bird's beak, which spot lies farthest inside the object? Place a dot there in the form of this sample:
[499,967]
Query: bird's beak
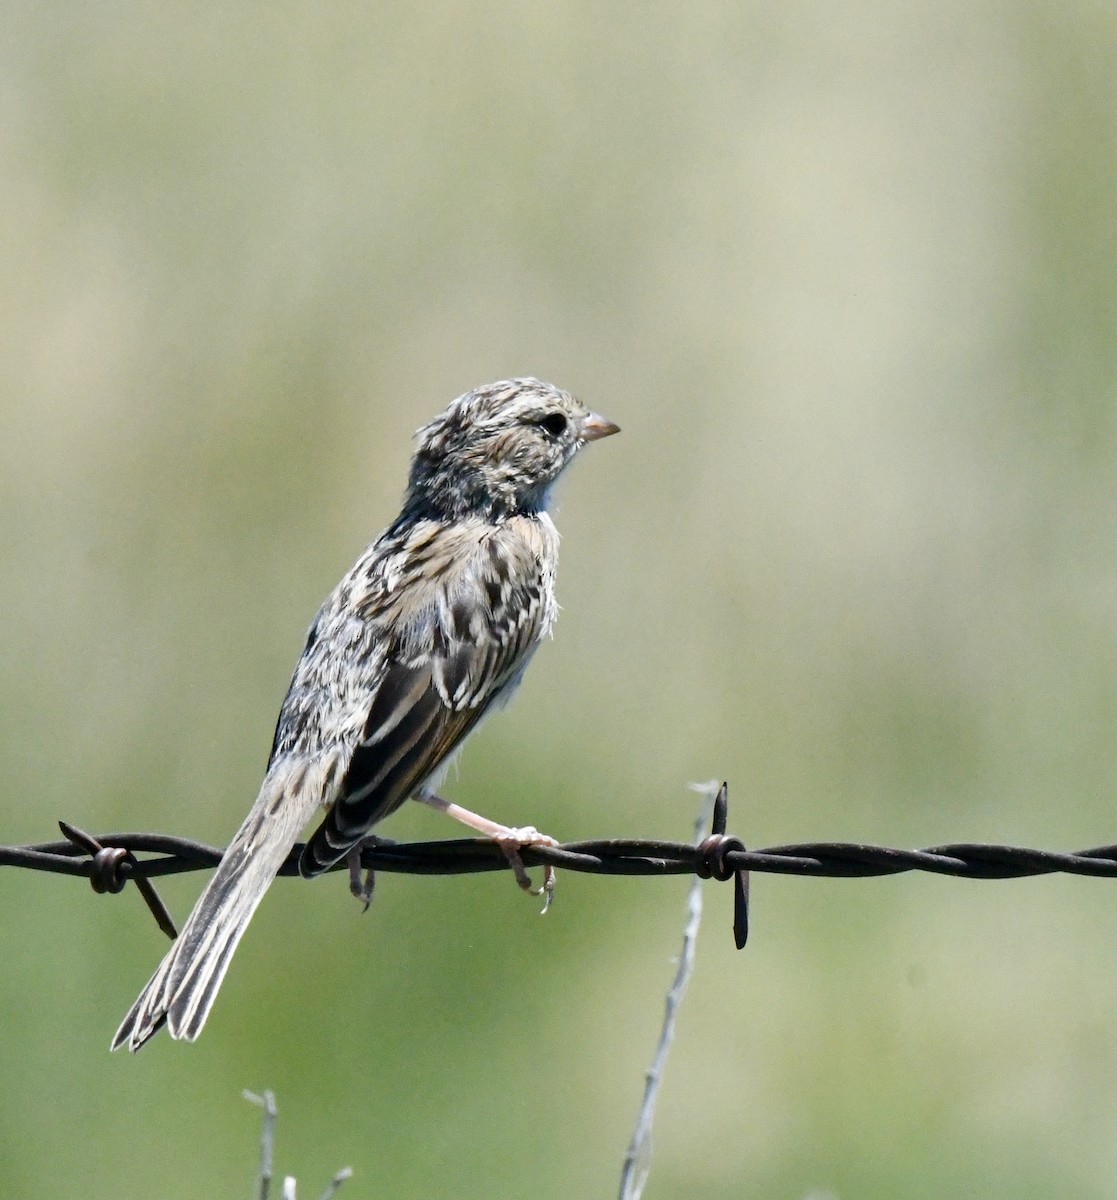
[594,427]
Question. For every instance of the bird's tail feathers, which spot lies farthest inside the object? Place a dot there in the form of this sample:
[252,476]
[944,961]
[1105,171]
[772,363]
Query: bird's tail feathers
[181,992]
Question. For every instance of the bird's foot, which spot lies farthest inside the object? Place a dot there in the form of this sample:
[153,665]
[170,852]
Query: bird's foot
[361,888]
[512,841]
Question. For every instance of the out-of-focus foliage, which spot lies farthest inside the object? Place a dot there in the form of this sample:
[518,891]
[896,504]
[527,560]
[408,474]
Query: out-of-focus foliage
[845,274]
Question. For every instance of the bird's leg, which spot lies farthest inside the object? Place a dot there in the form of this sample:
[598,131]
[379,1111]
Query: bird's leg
[511,841]
[361,888]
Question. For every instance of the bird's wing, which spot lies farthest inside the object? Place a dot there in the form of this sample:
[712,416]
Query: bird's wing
[449,651]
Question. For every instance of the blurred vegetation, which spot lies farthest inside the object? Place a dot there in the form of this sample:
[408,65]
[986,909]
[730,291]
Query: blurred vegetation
[845,276]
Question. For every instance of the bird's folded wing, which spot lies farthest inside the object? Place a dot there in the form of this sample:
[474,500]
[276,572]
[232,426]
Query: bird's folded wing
[425,704]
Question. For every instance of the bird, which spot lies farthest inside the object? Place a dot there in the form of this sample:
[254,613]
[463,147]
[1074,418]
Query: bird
[430,629]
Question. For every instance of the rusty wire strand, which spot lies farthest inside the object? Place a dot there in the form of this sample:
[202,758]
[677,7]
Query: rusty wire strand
[843,860]
[719,856]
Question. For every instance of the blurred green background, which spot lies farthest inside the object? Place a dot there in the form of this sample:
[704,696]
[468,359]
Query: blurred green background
[846,274]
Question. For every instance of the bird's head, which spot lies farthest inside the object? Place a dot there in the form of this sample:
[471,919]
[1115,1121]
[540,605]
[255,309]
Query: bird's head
[498,449]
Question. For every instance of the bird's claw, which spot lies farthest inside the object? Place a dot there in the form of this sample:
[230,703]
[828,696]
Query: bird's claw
[361,888]
[512,841]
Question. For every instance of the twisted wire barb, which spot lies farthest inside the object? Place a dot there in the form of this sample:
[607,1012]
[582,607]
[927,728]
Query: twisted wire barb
[719,856]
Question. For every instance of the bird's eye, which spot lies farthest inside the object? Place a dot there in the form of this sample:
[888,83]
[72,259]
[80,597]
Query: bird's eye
[554,423]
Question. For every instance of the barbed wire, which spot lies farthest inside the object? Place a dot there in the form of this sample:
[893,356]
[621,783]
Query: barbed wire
[110,860]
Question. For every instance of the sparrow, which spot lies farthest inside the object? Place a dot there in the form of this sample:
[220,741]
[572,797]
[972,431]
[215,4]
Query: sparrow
[431,629]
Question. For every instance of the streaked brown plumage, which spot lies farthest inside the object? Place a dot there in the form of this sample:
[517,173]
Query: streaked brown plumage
[432,626]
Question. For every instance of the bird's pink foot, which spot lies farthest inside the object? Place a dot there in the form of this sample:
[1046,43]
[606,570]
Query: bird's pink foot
[512,841]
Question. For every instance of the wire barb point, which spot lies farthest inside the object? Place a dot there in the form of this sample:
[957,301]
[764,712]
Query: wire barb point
[106,876]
